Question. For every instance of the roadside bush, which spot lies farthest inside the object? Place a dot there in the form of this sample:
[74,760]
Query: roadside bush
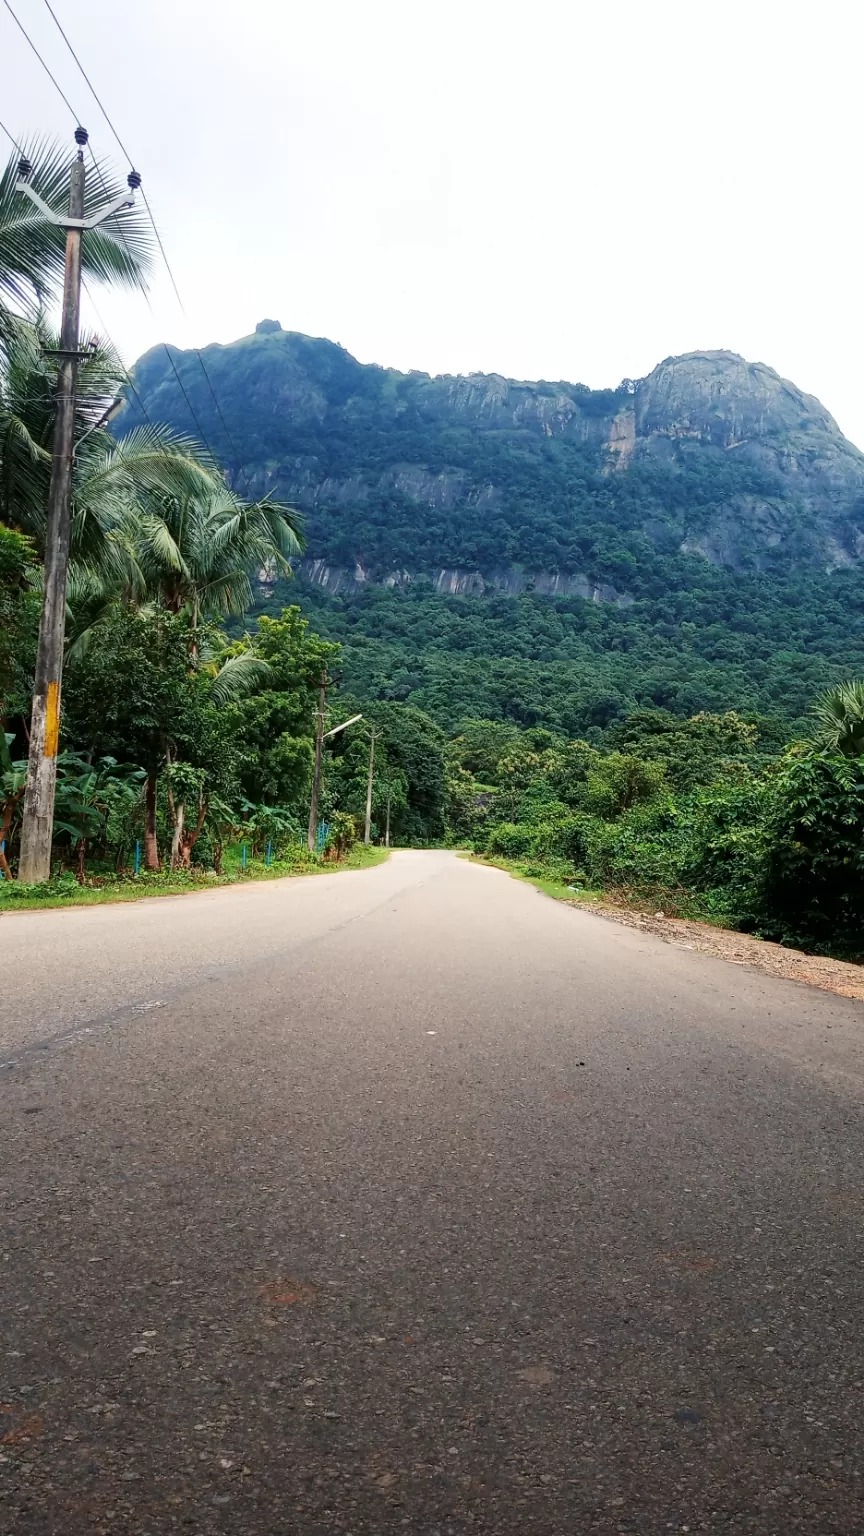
[511,841]
[342,834]
[640,848]
[619,781]
[812,889]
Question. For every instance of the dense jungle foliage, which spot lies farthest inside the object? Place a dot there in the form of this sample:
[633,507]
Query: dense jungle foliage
[703,817]
[709,815]
[756,645]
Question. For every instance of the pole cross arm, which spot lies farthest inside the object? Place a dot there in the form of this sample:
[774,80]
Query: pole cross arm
[65,221]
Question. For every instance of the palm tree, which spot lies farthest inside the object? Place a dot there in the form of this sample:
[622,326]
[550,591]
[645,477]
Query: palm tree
[110,476]
[233,677]
[196,553]
[32,251]
[840,713]
[151,517]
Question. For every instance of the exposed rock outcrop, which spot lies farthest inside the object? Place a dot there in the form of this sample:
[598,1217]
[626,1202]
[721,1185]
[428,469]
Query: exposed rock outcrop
[452,582]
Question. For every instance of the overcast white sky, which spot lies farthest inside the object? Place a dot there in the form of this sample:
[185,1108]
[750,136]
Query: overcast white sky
[558,190]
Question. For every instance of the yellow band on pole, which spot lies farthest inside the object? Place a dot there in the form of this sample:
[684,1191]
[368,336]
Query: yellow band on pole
[52,720]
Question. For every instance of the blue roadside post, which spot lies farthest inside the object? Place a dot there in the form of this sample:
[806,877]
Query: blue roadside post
[243,857]
[137,857]
[269,854]
[2,850]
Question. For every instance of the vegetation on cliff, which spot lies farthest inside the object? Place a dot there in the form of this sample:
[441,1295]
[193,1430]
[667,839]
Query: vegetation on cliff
[718,507]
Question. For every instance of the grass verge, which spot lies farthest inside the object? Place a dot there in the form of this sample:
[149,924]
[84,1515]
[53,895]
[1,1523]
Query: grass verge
[64,891]
[549,884]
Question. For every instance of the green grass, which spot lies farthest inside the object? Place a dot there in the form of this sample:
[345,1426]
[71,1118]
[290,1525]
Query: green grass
[550,885]
[65,891]
[361,857]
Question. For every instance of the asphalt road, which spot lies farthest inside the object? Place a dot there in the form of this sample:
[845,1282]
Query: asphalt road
[408,1200]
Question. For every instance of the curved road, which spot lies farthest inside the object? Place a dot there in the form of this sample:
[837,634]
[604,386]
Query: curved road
[408,1200]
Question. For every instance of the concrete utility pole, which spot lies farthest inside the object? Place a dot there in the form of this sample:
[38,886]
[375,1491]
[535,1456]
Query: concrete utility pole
[320,737]
[368,833]
[312,835]
[38,819]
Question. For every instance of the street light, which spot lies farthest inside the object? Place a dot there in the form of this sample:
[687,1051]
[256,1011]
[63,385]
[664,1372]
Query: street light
[320,737]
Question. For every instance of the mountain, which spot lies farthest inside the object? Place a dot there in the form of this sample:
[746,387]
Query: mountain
[709,501]
[402,473]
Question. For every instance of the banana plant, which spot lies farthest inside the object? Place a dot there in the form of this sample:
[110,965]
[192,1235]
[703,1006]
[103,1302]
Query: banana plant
[88,796]
[13,779]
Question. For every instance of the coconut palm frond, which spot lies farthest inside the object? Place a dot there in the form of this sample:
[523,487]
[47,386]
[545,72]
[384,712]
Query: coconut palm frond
[89,599]
[239,676]
[840,713]
[221,541]
[32,249]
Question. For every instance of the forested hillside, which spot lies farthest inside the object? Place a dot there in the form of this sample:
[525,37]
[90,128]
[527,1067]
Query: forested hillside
[544,552]
[579,632]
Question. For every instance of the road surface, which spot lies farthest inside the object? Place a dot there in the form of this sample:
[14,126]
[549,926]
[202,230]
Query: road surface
[409,1200]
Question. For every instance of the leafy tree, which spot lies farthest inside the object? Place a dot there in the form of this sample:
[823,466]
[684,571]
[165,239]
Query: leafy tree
[341,834]
[277,723]
[18,624]
[466,804]
[134,696]
[413,750]
[693,751]
[480,746]
[813,892]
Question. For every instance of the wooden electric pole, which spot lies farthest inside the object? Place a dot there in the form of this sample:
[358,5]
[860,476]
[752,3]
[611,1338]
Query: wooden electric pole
[37,828]
[367,838]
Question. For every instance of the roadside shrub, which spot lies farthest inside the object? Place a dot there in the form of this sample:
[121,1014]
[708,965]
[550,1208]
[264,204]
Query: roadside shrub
[510,841]
[812,888]
[341,836]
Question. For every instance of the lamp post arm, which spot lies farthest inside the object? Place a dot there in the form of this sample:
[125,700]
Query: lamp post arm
[344,726]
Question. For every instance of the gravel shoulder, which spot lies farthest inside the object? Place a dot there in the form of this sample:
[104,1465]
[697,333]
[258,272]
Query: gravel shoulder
[838,976]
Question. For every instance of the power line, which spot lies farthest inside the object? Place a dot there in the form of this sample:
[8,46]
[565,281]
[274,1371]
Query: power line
[226,429]
[189,406]
[191,409]
[87,79]
[125,371]
[12,141]
[23,30]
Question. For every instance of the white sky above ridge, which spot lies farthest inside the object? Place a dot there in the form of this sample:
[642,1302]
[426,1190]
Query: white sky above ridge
[567,191]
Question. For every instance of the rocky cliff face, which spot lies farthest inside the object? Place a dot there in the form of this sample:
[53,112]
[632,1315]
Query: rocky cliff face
[343,580]
[746,413]
[485,483]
